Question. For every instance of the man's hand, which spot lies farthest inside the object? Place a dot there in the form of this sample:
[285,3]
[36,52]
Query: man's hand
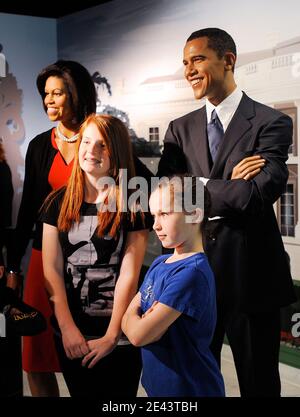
[248,168]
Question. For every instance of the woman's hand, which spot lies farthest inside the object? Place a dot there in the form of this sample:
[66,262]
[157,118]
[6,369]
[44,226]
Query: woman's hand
[248,168]
[98,349]
[74,343]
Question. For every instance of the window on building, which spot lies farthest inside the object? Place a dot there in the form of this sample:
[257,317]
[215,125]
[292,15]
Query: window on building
[291,111]
[154,134]
[287,211]
[287,207]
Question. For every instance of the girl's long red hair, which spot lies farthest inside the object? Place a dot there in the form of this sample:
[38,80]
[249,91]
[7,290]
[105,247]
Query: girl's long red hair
[116,138]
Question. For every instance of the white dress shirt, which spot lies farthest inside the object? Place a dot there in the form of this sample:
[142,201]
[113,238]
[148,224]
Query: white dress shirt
[225,111]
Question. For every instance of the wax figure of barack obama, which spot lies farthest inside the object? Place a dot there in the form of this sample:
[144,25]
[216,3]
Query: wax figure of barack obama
[239,147]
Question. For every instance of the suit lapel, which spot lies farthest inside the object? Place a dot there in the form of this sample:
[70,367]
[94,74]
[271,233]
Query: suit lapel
[199,141]
[238,126]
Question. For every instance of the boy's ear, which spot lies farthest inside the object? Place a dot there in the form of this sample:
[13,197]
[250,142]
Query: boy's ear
[196,216]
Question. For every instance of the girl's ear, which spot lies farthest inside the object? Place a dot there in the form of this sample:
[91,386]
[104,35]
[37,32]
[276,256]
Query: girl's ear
[195,217]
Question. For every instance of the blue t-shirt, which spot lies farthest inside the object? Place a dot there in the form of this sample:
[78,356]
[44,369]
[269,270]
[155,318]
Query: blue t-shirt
[181,363]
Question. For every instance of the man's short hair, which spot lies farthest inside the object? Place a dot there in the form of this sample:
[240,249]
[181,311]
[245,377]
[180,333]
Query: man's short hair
[218,40]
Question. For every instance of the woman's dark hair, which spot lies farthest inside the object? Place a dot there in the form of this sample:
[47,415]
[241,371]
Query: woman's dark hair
[80,87]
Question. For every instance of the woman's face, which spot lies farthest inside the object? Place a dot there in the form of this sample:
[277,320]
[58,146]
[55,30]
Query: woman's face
[56,100]
[93,153]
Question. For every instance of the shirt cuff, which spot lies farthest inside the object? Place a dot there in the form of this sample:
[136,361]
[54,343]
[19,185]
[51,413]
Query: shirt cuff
[204,180]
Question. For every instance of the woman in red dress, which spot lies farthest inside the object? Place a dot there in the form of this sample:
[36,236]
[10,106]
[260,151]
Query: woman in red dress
[69,95]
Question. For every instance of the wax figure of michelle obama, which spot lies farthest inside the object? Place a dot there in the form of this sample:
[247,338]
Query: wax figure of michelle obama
[68,95]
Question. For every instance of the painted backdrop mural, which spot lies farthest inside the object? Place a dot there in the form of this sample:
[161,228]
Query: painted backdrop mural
[138,44]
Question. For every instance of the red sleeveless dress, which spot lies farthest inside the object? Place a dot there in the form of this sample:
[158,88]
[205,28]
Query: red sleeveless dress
[39,353]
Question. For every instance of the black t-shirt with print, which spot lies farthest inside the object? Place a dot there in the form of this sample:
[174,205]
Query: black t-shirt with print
[91,264]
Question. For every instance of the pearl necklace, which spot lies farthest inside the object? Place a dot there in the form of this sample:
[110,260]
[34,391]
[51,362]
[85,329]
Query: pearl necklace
[64,138]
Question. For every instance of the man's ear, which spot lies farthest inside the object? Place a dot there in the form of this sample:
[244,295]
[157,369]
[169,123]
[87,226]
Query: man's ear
[195,217]
[229,59]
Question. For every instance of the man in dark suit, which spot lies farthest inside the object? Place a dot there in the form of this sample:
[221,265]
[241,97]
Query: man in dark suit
[239,148]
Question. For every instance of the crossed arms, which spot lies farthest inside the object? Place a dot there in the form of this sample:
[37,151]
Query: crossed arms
[236,196]
[149,327]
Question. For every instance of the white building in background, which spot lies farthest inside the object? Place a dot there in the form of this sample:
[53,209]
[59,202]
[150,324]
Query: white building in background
[269,76]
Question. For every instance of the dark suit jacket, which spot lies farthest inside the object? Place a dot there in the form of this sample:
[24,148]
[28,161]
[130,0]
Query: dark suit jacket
[244,248]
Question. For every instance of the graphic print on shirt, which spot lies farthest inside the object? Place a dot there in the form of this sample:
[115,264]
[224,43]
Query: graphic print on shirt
[147,292]
[91,268]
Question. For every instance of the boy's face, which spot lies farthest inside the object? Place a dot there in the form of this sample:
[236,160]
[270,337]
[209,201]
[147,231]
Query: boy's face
[169,225]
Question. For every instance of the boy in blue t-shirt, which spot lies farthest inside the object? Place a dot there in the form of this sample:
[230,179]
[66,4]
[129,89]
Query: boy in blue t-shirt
[173,316]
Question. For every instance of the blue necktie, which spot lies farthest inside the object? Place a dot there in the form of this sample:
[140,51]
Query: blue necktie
[215,134]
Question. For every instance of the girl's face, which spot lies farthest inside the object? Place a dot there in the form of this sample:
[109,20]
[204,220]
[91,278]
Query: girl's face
[56,100]
[93,153]
[170,226]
